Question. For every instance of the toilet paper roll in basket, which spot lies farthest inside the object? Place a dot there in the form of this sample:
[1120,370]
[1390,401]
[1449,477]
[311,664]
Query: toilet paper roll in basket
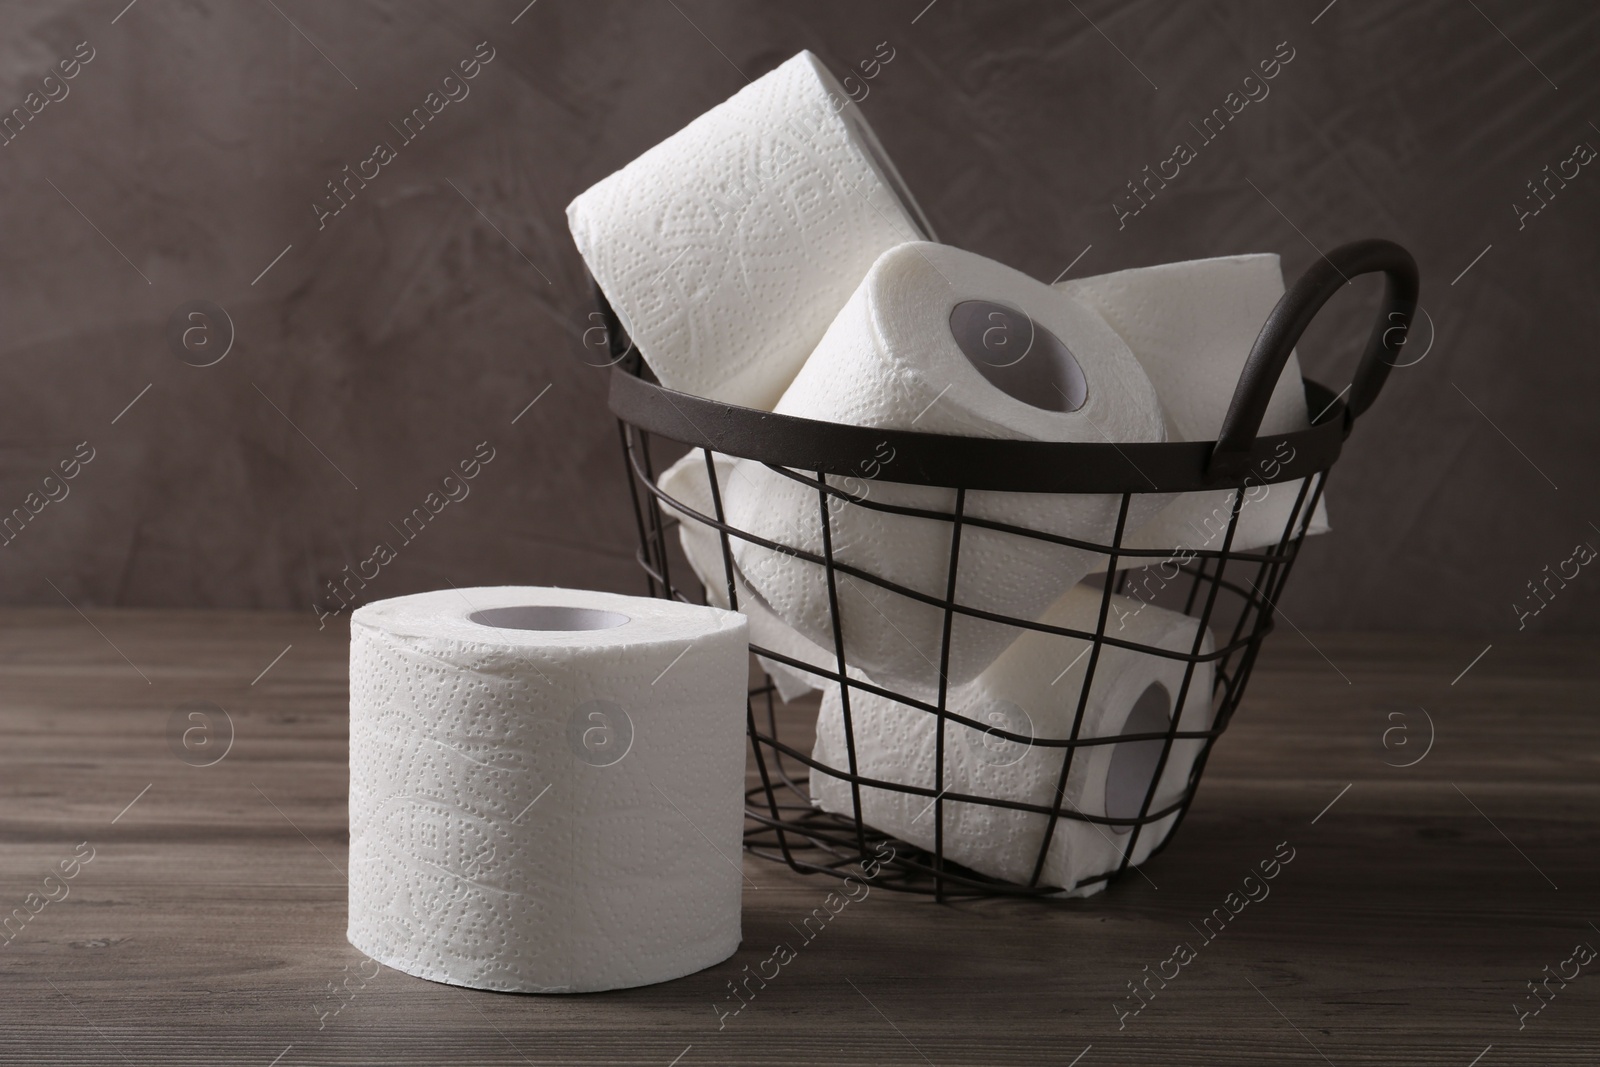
[685,481]
[727,249]
[546,787]
[1033,691]
[944,341]
[1191,325]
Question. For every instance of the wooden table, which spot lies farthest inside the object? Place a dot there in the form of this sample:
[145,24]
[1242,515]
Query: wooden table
[209,925]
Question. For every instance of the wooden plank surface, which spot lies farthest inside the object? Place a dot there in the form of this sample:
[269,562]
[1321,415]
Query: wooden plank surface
[209,923]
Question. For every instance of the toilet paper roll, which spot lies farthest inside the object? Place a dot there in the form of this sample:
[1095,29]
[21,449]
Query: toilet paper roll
[1033,691]
[943,341]
[546,787]
[1191,325]
[685,481]
[727,248]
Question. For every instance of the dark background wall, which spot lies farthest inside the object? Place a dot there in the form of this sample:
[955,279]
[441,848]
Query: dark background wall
[378,351]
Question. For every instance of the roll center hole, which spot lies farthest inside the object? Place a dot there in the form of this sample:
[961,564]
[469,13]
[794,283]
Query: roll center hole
[1133,763]
[1018,356]
[548,617]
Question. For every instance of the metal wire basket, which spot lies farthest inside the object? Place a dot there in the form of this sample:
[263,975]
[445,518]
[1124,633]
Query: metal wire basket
[1231,593]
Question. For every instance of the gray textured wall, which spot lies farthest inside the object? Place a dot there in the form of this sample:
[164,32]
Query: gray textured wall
[381,349]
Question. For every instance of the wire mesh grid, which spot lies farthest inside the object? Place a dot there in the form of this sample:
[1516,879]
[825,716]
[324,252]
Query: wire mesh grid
[1230,594]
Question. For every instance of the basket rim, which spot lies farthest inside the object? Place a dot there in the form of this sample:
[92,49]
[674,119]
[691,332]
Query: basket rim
[977,463]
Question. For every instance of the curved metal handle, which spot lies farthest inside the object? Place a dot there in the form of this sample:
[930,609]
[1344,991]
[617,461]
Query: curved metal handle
[1294,312]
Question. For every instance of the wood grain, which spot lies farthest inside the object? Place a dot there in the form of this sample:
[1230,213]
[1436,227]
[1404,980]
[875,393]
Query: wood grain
[210,921]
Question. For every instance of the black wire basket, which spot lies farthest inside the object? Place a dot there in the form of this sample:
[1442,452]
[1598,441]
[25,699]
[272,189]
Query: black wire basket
[1232,594]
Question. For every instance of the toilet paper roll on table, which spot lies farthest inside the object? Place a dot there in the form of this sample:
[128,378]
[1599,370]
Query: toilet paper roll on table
[944,341]
[546,787]
[686,482]
[1191,325]
[1033,691]
[727,249]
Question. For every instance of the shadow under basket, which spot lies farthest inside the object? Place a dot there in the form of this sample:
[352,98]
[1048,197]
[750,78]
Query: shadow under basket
[1231,593]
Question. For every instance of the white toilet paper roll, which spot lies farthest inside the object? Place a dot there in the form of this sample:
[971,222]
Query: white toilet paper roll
[1191,325]
[546,787]
[685,481]
[727,248]
[944,341]
[1033,691]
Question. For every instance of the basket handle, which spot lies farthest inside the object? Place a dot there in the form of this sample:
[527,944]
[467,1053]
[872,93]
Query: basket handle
[1231,457]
